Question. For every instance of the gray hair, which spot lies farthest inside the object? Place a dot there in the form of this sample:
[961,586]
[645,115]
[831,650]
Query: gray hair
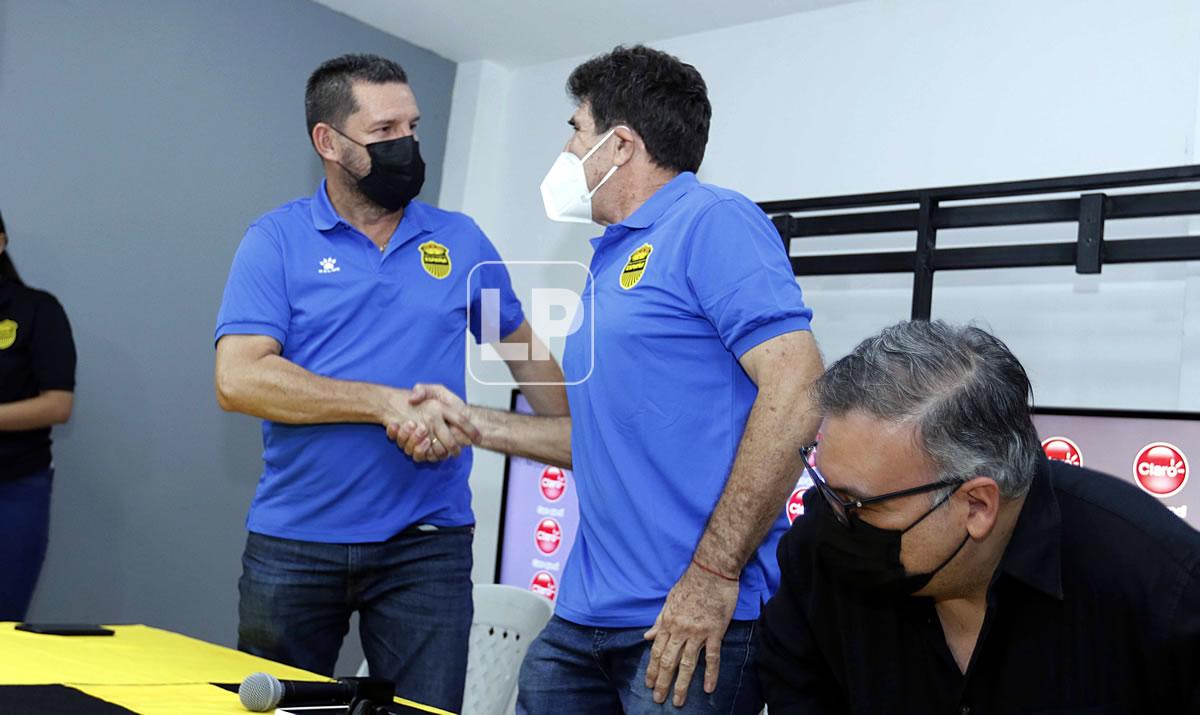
[965,391]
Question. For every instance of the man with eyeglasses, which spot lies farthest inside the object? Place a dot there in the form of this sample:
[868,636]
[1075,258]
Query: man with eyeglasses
[944,565]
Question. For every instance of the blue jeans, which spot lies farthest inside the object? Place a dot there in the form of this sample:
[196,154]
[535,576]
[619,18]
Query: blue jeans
[412,594]
[24,534]
[579,669]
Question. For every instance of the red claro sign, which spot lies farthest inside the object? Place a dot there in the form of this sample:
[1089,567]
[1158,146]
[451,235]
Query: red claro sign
[553,483]
[548,536]
[1161,468]
[543,584]
[1062,449]
[795,505]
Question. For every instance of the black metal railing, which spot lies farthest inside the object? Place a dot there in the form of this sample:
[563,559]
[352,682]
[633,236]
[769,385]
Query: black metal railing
[923,212]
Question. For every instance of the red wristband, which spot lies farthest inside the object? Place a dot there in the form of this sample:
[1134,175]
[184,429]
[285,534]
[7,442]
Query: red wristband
[714,572]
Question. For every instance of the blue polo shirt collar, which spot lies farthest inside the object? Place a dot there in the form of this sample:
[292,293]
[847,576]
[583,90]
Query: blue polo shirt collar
[325,218]
[654,207]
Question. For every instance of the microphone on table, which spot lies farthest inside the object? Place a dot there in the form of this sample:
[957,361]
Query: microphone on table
[261,692]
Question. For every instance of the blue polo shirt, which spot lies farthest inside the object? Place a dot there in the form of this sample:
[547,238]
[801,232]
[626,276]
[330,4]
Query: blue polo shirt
[682,289]
[342,309]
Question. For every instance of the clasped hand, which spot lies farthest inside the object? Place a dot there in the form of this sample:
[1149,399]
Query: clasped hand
[434,425]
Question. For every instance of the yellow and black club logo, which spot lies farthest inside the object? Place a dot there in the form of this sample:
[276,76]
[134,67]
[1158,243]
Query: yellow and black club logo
[8,334]
[635,266]
[435,259]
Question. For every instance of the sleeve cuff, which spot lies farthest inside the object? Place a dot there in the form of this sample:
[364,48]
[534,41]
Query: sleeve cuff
[250,328]
[64,385]
[764,333]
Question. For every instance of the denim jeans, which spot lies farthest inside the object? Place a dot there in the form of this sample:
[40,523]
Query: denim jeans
[579,669]
[24,534]
[412,594]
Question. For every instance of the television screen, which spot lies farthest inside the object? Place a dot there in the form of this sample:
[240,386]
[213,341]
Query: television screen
[1148,449]
[538,518]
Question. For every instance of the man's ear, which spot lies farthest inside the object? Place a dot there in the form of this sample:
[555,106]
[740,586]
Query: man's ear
[628,144]
[323,141]
[983,505]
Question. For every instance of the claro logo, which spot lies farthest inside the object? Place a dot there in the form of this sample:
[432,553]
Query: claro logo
[1161,469]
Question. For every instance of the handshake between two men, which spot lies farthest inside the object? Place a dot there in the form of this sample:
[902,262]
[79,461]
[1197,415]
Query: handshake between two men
[436,424]
[439,425]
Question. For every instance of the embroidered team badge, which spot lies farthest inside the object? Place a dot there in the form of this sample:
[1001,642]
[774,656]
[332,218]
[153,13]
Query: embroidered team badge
[635,266]
[8,334]
[435,259]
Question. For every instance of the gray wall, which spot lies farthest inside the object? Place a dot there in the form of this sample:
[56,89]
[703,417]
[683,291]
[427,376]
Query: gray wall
[137,141]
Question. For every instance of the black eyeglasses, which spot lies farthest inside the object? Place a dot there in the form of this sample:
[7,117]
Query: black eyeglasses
[844,508]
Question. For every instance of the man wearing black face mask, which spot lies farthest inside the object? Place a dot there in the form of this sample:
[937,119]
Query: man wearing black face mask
[944,565]
[336,305]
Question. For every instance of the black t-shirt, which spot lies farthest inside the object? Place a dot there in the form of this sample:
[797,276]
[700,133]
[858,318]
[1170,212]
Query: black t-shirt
[37,354]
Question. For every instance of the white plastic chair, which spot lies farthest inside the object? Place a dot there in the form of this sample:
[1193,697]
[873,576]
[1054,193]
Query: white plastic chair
[507,619]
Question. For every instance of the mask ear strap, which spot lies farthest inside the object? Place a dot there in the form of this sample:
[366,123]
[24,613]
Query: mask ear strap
[935,508]
[349,173]
[600,143]
[950,558]
[610,173]
[344,136]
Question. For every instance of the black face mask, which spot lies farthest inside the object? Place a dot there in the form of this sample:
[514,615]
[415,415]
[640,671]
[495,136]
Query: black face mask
[397,172]
[866,556]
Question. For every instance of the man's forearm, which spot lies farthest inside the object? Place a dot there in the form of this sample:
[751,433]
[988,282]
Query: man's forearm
[547,400]
[541,381]
[764,473]
[542,439]
[276,389]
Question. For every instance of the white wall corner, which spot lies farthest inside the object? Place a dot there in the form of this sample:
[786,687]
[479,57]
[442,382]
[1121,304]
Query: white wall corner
[475,141]
[464,103]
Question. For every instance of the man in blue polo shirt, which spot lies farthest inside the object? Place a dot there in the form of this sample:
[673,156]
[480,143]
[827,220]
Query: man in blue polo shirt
[685,437]
[335,305]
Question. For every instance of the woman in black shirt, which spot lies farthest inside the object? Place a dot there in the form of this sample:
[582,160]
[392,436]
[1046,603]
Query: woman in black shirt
[37,380]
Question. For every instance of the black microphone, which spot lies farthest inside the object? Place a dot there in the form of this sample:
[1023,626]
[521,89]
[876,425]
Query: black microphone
[261,692]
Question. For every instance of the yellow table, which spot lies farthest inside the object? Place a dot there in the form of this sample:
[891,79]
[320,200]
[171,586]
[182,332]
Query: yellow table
[144,669]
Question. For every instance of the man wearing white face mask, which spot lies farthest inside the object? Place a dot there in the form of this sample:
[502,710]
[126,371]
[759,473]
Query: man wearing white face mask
[685,437]
[565,191]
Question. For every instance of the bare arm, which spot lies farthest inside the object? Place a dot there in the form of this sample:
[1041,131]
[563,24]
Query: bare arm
[700,605]
[253,378]
[545,437]
[781,422]
[52,407]
[542,439]
[541,381]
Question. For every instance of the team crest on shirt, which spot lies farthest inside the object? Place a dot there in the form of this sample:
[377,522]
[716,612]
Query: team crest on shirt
[8,333]
[435,259]
[631,274]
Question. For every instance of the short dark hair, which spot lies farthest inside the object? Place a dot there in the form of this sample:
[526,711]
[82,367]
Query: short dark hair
[660,97]
[329,96]
[966,393]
